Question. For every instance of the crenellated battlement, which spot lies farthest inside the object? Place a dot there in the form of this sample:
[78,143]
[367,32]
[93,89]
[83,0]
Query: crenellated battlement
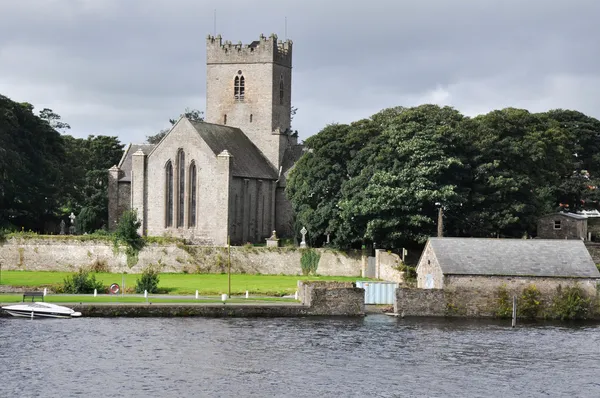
[266,49]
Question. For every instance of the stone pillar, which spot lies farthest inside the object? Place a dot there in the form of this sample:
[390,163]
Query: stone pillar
[138,187]
[113,197]
[221,227]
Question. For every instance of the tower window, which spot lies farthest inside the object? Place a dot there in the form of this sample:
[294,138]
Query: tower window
[281,90]
[239,88]
[557,224]
[250,118]
[224,119]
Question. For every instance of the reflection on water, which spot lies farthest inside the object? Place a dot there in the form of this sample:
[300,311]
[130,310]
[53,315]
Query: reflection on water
[377,356]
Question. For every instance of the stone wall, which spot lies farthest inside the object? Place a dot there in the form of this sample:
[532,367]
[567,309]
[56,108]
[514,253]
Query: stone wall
[304,287]
[515,285]
[570,227]
[594,250]
[320,301]
[387,266]
[478,296]
[68,254]
[331,297]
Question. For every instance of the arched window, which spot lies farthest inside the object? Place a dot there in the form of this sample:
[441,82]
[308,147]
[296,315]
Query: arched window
[224,119]
[250,118]
[181,190]
[239,87]
[281,90]
[169,194]
[192,221]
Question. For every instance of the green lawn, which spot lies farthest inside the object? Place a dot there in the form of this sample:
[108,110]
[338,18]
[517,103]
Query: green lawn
[17,298]
[179,284]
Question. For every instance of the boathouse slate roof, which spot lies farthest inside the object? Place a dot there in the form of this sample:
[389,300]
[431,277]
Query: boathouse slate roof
[248,160]
[514,257]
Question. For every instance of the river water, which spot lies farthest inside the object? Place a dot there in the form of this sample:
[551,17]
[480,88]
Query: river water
[377,356]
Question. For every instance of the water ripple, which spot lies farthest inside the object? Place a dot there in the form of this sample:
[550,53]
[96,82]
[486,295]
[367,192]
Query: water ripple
[377,356]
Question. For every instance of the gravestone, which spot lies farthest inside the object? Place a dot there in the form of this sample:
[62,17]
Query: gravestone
[272,241]
[62,227]
[303,231]
[72,227]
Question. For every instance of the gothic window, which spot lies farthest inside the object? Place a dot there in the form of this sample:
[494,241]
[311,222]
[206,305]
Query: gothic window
[169,194]
[281,90]
[192,185]
[181,190]
[239,87]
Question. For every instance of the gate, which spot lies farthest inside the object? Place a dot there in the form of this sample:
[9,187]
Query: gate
[371,271]
[378,292]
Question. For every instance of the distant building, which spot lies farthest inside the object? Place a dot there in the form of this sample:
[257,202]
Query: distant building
[563,226]
[487,263]
[224,177]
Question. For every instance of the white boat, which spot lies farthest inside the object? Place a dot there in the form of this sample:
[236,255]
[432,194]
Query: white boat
[41,310]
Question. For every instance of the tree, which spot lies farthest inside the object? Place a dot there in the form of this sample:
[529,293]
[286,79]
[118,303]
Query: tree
[193,115]
[53,120]
[399,176]
[30,167]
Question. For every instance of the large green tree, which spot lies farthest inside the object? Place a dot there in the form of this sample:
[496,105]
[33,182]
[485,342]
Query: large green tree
[383,179]
[30,167]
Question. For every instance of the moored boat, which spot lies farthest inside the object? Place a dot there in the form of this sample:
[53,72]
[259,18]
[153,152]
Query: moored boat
[41,310]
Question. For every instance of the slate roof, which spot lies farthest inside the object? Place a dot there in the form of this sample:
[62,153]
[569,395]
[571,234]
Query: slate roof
[515,257]
[125,163]
[248,160]
[567,214]
[291,155]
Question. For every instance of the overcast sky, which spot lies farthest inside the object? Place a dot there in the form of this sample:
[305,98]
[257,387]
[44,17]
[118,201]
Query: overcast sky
[124,67]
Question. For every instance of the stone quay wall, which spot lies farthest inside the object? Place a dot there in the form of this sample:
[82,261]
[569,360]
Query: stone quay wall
[320,300]
[332,298]
[64,254]
[478,297]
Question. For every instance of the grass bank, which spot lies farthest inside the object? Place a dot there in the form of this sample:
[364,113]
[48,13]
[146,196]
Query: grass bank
[74,298]
[179,284]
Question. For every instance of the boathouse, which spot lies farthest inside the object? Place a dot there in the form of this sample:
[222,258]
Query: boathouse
[482,263]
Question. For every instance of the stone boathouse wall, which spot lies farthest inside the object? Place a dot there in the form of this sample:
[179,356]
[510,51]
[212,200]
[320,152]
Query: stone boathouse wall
[57,254]
[477,296]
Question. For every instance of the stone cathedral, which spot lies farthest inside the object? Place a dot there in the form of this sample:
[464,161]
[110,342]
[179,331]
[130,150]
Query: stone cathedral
[226,176]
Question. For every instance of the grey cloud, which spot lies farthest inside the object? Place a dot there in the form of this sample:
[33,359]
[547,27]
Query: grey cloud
[125,67]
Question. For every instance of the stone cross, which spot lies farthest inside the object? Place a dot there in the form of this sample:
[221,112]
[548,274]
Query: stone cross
[303,231]
[72,227]
[62,227]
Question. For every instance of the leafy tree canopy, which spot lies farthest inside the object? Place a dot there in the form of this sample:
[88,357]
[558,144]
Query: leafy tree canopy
[378,180]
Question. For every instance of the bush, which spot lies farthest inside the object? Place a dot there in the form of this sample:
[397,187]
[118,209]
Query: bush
[81,283]
[309,261]
[86,220]
[529,304]
[570,303]
[148,281]
[504,303]
[99,265]
[127,235]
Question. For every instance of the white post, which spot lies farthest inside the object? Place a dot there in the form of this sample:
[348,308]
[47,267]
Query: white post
[296,295]
[45,292]
[224,298]
[95,292]
[145,294]
[247,294]
[196,295]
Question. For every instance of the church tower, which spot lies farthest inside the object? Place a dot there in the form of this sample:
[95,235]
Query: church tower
[249,87]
